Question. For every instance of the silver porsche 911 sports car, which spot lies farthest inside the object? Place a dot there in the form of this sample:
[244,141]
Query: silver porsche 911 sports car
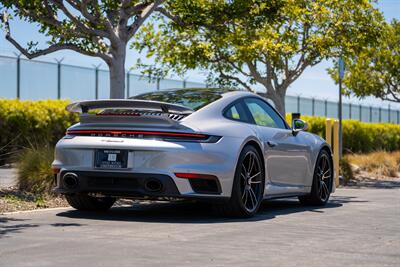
[228,147]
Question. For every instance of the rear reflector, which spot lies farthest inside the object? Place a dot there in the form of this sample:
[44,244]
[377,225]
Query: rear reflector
[195,176]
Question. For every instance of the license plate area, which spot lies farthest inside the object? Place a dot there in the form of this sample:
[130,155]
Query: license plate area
[111,159]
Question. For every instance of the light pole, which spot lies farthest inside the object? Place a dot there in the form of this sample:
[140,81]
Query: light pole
[59,77]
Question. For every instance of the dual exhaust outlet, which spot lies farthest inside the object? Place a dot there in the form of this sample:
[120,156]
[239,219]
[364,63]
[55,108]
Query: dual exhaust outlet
[70,181]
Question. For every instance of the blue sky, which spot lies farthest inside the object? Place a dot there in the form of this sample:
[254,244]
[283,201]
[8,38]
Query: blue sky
[314,82]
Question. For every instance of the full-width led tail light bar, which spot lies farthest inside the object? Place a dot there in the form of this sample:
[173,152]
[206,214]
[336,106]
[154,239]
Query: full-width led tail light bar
[163,135]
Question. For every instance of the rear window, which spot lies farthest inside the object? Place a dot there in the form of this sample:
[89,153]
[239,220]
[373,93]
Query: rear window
[191,98]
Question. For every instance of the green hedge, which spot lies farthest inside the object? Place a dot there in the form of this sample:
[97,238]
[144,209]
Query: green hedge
[361,137]
[28,123]
[31,123]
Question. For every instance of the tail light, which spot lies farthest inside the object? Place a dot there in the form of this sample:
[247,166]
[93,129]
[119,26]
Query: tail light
[160,135]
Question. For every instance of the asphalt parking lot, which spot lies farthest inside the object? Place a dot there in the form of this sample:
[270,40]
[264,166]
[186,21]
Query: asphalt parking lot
[360,227]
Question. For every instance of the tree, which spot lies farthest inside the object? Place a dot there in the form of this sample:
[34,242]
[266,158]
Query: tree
[94,28]
[375,71]
[256,43]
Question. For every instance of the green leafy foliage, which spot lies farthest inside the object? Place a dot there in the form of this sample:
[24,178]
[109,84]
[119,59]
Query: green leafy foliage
[360,137]
[24,123]
[251,43]
[100,28]
[375,70]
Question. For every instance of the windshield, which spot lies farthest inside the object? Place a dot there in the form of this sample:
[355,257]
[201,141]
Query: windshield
[191,98]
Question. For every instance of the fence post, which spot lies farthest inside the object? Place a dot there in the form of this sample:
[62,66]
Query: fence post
[398,116]
[128,84]
[59,77]
[360,107]
[96,81]
[370,113]
[158,84]
[380,114]
[350,111]
[298,104]
[184,83]
[313,106]
[18,75]
[389,113]
[326,108]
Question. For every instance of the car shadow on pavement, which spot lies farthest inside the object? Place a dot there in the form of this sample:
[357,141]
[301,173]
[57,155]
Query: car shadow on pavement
[8,226]
[198,213]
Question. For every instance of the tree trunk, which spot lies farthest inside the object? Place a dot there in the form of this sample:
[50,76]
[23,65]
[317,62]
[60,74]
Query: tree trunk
[279,102]
[117,73]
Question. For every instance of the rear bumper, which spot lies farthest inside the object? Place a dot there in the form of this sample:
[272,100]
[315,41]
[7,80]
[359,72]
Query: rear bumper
[126,184]
[117,184]
[150,158]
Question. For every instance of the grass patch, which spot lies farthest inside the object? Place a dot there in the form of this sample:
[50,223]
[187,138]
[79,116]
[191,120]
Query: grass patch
[34,169]
[378,163]
[11,200]
[346,170]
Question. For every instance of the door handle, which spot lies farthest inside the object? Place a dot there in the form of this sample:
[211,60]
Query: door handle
[271,143]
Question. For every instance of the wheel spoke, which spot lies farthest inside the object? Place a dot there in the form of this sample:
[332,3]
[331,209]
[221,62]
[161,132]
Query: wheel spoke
[246,198]
[254,176]
[325,189]
[253,197]
[244,193]
[326,174]
[323,163]
[320,189]
[319,171]
[251,163]
[244,168]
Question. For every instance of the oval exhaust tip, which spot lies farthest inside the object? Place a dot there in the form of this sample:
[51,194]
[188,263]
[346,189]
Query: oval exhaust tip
[153,185]
[70,180]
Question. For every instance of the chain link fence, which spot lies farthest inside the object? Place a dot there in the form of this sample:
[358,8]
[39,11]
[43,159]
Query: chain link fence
[33,79]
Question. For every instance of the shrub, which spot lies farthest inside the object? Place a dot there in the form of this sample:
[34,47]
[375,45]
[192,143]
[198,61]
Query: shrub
[360,137]
[34,169]
[25,122]
[345,170]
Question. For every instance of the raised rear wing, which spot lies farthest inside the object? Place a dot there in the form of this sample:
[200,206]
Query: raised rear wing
[85,106]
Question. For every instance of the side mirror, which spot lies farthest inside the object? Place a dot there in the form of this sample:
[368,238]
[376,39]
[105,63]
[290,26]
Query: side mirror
[298,126]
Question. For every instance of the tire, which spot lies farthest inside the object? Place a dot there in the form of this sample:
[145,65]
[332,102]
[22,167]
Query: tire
[322,181]
[248,186]
[88,203]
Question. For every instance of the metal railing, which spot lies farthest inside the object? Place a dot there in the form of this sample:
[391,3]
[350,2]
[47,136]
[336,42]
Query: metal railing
[33,79]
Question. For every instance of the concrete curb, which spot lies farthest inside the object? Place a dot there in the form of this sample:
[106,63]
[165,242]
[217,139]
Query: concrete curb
[32,211]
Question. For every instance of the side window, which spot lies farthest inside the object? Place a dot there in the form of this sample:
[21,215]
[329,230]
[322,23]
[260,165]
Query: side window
[237,112]
[263,114]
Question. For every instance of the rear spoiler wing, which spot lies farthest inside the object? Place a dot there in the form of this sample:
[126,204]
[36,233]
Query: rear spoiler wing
[85,106]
